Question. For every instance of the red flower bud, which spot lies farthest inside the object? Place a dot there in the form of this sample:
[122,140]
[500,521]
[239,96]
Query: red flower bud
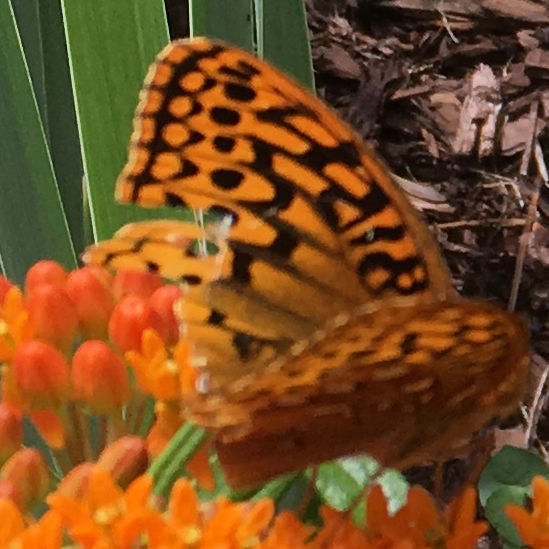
[45,272]
[89,290]
[162,301]
[9,490]
[52,315]
[50,426]
[29,472]
[11,431]
[42,373]
[5,285]
[135,283]
[75,483]
[99,377]
[130,317]
[125,459]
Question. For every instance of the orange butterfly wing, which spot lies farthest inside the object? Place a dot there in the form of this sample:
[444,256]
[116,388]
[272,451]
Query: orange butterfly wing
[326,322]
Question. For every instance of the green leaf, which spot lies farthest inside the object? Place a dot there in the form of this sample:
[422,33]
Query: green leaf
[217,19]
[170,465]
[495,512]
[32,221]
[59,119]
[278,487]
[111,45]
[507,479]
[510,467]
[283,38]
[341,482]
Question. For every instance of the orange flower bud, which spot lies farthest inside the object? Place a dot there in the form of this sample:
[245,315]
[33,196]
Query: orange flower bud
[162,301]
[9,490]
[53,315]
[125,459]
[11,431]
[75,483]
[99,377]
[130,317]
[42,373]
[92,296]
[5,285]
[29,472]
[45,272]
[135,283]
[50,426]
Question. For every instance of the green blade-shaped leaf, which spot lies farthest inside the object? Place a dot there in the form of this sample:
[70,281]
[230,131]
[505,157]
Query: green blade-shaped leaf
[216,19]
[283,38]
[111,45]
[32,221]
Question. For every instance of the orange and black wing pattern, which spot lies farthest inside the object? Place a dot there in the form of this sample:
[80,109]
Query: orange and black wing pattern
[325,321]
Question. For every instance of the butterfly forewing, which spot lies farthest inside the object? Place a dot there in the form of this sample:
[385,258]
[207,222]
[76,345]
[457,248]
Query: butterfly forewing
[251,138]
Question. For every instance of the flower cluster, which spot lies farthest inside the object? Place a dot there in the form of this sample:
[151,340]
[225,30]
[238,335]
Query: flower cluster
[79,344]
[84,345]
[106,516]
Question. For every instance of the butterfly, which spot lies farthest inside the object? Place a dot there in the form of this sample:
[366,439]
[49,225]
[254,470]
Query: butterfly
[324,322]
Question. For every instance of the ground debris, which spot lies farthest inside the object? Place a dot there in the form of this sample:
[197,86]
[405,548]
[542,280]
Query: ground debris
[455,94]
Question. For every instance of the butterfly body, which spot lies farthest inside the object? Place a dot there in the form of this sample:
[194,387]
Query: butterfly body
[326,323]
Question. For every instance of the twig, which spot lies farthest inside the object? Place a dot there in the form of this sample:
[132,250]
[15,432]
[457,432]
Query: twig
[529,222]
[536,406]
[514,222]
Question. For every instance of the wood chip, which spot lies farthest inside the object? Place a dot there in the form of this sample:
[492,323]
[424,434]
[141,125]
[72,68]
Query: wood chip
[479,115]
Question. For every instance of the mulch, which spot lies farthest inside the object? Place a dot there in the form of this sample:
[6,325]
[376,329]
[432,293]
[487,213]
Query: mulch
[455,97]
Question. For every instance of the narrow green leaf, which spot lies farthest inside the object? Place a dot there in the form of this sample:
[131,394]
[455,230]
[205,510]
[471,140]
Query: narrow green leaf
[170,465]
[111,45]
[276,488]
[218,19]
[32,221]
[27,17]
[283,38]
[59,119]
[42,34]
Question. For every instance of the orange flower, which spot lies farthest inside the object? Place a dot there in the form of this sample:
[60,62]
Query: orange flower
[339,531]
[108,515]
[288,532]
[419,524]
[15,326]
[533,526]
[12,524]
[465,531]
[46,534]
[157,373]
[188,374]
[169,419]
[200,469]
